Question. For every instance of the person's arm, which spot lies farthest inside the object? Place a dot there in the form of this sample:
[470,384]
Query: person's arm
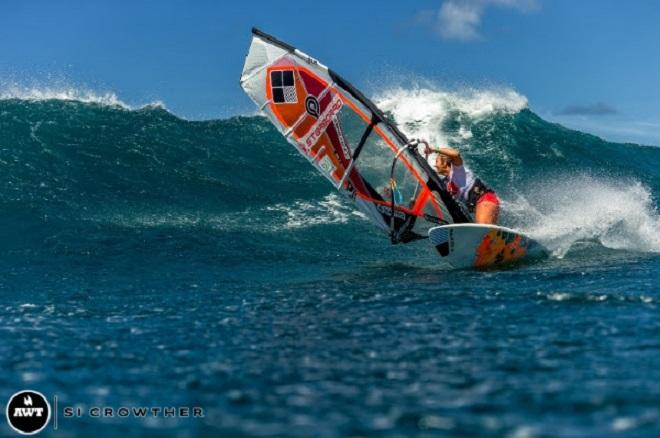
[453,154]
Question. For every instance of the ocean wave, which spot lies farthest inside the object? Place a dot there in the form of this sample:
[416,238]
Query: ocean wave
[422,112]
[69,93]
[294,215]
[93,161]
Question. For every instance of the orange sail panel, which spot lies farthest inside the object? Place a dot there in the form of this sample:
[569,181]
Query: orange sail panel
[307,107]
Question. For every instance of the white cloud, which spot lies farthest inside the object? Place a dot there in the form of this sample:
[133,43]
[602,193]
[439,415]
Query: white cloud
[461,19]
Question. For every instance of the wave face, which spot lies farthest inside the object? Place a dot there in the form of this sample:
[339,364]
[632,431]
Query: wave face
[149,259]
[70,163]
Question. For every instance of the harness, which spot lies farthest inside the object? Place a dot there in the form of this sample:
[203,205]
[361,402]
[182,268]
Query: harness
[477,191]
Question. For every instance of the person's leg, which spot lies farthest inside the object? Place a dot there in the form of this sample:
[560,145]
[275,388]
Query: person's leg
[486,212]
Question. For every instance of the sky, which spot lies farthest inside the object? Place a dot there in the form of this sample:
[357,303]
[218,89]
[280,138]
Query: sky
[592,65]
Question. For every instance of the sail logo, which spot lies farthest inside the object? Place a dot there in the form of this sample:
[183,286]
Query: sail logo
[387,211]
[283,86]
[28,412]
[322,123]
[312,106]
[342,141]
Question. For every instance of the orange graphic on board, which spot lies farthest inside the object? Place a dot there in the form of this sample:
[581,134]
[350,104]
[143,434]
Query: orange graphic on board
[498,247]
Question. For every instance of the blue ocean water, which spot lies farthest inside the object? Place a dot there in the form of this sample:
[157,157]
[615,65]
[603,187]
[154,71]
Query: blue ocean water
[152,261]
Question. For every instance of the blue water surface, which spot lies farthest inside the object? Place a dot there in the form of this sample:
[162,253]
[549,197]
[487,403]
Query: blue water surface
[140,269]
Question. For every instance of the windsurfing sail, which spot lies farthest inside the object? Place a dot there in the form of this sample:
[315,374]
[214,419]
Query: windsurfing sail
[348,139]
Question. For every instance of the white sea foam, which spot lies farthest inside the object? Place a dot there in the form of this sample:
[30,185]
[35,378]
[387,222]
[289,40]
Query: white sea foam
[616,213]
[421,111]
[331,209]
[302,214]
[150,220]
[67,93]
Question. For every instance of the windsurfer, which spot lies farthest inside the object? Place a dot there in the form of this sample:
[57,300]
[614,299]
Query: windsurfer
[482,201]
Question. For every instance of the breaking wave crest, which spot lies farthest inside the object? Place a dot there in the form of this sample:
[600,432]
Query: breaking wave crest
[73,157]
[67,93]
[424,112]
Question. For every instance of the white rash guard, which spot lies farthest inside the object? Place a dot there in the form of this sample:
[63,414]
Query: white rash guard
[460,182]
